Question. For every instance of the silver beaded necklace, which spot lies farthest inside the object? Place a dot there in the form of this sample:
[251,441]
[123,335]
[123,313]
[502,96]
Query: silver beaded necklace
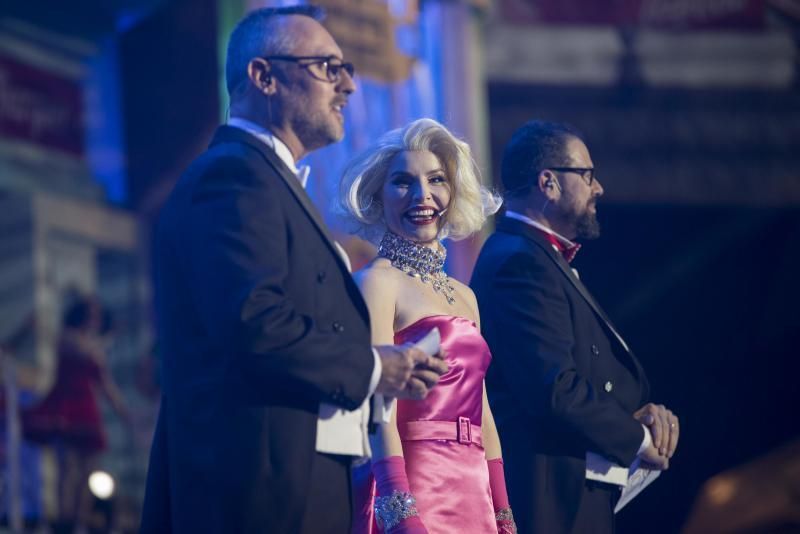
[418,261]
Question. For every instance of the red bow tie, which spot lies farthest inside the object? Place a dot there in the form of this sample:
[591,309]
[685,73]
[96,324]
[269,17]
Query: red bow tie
[568,252]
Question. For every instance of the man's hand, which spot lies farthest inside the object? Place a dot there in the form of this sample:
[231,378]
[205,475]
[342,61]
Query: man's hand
[653,460]
[664,427]
[408,372]
[425,375]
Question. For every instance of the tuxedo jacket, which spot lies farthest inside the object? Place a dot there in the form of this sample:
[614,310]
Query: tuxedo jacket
[562,381]
[260,322]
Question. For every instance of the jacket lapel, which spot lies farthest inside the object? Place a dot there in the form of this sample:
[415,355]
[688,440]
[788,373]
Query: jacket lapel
[229,134]
[518,227]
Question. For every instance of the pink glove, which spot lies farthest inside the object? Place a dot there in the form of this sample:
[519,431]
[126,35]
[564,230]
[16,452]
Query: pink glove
[395,507]
[502,508]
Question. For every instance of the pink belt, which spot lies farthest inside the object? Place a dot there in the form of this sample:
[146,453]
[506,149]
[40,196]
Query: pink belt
[462,431]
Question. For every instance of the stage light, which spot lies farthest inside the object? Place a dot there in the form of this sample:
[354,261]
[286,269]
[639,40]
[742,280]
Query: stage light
[101,484]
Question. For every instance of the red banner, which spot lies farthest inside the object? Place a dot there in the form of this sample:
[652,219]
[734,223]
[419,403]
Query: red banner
[40,106]
[667,14]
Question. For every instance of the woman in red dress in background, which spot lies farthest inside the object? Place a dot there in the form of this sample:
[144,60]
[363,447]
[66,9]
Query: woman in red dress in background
[69,417]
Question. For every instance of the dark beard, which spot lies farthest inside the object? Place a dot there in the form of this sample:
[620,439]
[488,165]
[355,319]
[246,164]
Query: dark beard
[587,226]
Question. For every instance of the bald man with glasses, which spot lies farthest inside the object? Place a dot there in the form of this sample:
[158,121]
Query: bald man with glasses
[267,363]
[566,391]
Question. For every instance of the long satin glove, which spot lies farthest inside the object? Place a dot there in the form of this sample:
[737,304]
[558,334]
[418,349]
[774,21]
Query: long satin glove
[395,507]
[502,508]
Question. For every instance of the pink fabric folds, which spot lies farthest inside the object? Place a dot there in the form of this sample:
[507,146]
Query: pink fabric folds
[451,484]
[459,392]
[444,460]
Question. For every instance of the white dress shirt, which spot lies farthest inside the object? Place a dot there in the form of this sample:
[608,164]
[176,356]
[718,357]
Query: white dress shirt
[339,431]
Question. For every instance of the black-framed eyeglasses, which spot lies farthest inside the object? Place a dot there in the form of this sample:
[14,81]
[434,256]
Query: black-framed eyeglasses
[586,174]
[323,68]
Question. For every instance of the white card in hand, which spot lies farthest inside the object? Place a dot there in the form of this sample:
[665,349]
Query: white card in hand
[430,343]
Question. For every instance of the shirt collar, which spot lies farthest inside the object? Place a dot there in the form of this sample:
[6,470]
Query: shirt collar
[280,148]
[566,243]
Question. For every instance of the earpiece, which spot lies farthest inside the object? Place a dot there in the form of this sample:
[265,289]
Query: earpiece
[550,182]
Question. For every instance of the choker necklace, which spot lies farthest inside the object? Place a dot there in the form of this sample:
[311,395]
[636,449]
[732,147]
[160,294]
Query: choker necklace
[418,261]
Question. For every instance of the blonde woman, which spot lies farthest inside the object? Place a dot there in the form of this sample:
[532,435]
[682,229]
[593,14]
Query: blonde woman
[437,467]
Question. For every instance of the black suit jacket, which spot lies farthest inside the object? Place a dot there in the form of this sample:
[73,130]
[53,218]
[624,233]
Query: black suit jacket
[260,322]
[562,381]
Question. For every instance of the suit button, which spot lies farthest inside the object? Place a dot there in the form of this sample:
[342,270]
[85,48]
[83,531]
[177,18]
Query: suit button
[595,350]
[321,276]
[338,327]
[608,387]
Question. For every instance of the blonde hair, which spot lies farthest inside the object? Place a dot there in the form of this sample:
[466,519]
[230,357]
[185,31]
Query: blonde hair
[363,179]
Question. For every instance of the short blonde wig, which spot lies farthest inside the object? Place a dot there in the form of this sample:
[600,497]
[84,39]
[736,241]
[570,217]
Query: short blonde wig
[363,180]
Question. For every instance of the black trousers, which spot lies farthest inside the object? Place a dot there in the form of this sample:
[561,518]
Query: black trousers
[329,508]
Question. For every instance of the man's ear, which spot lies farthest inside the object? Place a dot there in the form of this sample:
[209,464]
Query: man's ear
[259,71]
[548,184]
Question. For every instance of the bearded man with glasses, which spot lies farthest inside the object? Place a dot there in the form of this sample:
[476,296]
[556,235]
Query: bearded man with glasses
[568,395]
[267,363]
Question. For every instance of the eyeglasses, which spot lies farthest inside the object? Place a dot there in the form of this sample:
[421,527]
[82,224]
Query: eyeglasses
[323,68]
[586,174]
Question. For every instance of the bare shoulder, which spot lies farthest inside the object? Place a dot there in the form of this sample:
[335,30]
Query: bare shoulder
[380,289]
[464,290]
[377,276]
[467,295]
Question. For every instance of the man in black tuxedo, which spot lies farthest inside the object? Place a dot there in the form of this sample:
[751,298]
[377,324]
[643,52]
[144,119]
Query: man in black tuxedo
[266,341]
[562,382]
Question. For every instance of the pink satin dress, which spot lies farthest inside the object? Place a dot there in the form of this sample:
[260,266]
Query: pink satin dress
[445,460]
